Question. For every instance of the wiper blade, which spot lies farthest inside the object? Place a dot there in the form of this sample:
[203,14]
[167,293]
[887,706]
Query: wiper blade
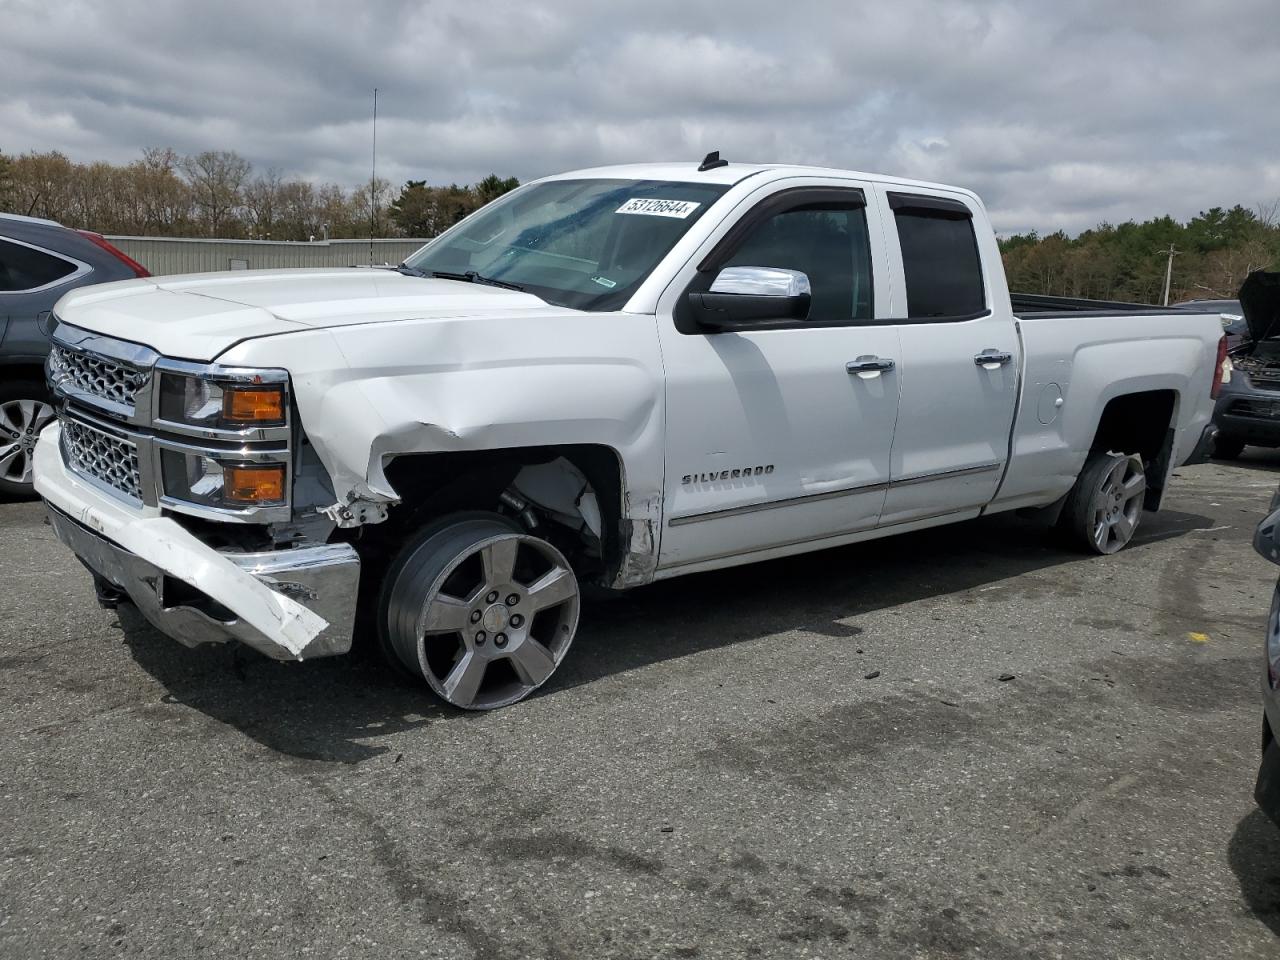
[409,271]
[472,276]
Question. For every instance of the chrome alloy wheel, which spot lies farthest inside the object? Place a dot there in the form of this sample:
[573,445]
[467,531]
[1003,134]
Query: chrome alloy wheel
[20,424]
[497,615]
[1117,504]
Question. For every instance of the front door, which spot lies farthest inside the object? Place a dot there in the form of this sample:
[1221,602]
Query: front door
[772,440]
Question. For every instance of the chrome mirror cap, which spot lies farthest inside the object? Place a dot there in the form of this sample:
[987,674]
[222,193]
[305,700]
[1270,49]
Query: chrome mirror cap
[761,282]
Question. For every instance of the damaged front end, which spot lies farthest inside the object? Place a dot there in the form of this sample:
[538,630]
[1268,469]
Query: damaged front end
[190,489]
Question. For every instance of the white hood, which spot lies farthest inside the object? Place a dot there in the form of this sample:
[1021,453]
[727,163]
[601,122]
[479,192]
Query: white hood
[198,316]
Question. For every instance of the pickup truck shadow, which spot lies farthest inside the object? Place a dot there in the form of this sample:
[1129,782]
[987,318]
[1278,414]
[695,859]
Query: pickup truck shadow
[338,710]
[1254,855]
[331,710]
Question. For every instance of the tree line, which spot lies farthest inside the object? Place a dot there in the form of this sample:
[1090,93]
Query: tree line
[217,193]
[1213,253]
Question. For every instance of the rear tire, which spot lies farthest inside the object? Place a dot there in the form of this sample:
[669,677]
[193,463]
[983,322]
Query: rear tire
[1104,507]
[1227,448]
[479,609]
[25,410]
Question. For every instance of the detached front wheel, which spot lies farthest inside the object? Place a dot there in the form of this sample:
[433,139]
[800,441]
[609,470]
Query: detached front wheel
[481,610]
[1105,505]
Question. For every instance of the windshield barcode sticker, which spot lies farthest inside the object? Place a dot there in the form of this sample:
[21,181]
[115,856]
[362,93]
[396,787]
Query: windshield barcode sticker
[660,208]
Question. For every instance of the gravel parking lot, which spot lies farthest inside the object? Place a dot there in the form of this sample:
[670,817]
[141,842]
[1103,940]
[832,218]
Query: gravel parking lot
[817,757]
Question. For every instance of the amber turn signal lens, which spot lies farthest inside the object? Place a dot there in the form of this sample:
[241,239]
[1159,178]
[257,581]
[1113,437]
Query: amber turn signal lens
[253,486]
[253,405]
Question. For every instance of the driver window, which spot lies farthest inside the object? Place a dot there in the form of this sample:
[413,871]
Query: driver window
[829,243]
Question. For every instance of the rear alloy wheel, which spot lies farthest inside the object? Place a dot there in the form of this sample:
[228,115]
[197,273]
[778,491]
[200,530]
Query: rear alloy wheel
[24,412]
[480,610]
[1105,506]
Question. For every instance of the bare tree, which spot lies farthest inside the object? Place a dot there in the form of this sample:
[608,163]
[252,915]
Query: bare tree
[1268,213]
[7,197]
[42,183]
[165,199]
[217,179]
[263,203]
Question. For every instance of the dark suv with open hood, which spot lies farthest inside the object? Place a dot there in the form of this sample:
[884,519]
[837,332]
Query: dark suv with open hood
[1248,408]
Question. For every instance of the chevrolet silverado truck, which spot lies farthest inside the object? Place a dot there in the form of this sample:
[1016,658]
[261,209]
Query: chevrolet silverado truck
[607,377]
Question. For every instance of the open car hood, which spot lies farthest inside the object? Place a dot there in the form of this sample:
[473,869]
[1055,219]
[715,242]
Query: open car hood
[1260,301]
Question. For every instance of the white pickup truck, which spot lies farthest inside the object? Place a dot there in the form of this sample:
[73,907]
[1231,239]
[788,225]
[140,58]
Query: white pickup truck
[611,376]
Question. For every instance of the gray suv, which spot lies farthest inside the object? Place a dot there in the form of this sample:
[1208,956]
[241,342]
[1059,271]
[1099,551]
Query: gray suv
[39,261]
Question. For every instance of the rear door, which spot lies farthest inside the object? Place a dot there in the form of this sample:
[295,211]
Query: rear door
[772,441]
[959,378]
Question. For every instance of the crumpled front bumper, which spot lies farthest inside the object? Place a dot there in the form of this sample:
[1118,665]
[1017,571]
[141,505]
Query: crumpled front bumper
[289,604]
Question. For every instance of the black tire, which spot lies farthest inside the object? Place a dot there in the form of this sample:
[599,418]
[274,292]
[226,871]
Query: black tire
[1096,518]
[18,432]
[1227,448]
[515,625]
[391,573]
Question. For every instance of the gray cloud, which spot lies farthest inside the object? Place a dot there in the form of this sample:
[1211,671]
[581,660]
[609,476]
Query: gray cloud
[1059,114]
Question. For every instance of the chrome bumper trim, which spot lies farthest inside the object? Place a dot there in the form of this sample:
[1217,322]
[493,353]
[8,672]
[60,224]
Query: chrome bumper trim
[323,578]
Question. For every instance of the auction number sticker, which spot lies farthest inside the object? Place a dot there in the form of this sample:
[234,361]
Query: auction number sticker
[660,208]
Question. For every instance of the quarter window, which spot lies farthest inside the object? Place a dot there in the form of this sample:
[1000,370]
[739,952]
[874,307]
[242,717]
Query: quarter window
[828,243]
[22,268]
[939,258]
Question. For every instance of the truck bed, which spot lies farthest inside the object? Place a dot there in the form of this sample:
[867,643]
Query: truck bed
[1071,370]
[1035,304]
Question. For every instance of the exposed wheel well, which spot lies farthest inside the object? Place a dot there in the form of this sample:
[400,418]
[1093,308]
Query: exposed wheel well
[433,484]
[1141,423]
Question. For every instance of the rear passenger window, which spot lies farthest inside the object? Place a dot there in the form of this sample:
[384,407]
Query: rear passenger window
[939,257]
[22,268]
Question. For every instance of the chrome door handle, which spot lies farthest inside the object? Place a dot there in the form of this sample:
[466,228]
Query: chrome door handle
[868,366]
[990,359]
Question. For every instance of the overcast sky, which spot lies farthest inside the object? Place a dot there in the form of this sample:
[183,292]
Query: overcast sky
[1061,114]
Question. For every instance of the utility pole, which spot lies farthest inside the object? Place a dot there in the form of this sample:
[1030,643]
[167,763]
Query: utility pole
[1168,274]
[373,182]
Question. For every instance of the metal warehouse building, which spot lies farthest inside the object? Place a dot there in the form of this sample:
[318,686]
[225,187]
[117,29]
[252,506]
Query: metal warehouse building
[170,255]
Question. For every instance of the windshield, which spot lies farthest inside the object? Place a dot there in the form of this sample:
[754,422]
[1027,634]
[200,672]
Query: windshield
[586,244]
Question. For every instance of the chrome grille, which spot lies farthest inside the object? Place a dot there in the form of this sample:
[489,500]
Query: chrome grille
[97,376]
[106,458]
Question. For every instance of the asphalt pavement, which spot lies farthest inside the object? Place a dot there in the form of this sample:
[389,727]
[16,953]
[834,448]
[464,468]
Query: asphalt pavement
[960,743]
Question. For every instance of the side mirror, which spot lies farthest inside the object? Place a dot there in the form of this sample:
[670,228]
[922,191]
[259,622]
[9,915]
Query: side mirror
[750,295]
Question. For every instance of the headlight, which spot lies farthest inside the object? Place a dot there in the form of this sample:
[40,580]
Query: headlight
[223,483]
[222,404]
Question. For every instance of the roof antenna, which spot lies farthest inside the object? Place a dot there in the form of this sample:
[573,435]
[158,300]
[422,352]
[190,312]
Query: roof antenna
[711,161]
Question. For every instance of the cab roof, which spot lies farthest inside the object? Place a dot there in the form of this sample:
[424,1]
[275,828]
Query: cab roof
[686,171]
